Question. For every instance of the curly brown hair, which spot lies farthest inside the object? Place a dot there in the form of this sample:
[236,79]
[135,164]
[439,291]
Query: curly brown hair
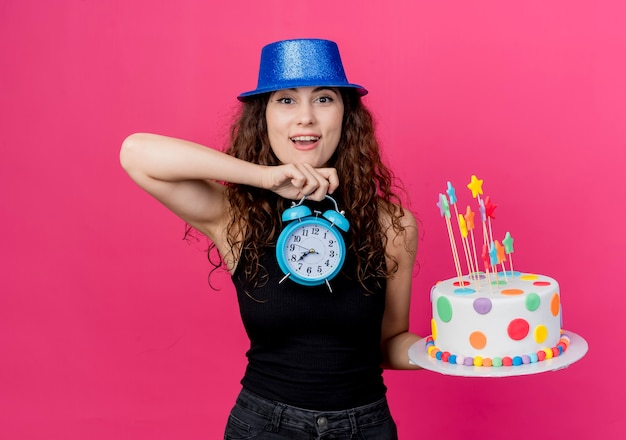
[366,192]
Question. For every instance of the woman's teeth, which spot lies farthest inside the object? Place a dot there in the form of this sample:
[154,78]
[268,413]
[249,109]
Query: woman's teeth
[305,139]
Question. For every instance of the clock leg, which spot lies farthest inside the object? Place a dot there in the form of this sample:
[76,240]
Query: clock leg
[328,285]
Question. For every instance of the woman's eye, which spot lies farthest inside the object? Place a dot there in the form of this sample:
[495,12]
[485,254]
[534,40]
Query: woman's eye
[324,99]
[285,100]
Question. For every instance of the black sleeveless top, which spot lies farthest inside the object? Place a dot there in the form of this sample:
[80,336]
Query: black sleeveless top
[309,347]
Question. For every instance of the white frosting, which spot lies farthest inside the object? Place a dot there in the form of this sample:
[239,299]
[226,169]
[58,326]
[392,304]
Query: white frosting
[528,301]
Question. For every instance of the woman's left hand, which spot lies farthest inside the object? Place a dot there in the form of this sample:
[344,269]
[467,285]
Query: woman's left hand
[294,181]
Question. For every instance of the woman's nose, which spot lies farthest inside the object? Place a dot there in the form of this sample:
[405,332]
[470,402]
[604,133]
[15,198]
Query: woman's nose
[306,114]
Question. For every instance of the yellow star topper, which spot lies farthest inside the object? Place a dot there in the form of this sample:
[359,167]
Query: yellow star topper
[476,186]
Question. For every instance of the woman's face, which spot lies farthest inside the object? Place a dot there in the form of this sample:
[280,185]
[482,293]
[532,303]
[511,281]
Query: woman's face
[304,124]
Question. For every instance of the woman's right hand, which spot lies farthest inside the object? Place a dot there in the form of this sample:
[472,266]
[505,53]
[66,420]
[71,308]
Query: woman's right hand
[295,181]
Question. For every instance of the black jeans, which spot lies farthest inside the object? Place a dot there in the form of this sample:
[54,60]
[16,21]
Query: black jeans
[254,417]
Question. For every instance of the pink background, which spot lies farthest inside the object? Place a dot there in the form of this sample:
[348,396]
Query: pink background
[108,328]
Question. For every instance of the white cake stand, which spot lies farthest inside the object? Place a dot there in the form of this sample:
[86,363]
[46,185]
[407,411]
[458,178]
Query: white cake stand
[577,349]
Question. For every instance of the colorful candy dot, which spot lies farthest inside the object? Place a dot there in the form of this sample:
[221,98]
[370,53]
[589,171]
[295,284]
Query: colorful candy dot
[463,291]
[478,340]
[532,301]
[555,305]
[452,359]
[533,358]
[541,355]
[555,352]
[541,283]
[496,361]
[512,292]
[507,361]
[540,333]
[487,362]
[517,361]
[528,277]
[482,305]
[525,359]
[469,361]
[445,356]
[548,352]
[478,361]
[518,329]
[460,360]
[438,355]
[444,309]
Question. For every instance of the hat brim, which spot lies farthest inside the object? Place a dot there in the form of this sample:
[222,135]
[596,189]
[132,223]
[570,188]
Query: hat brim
[362,91]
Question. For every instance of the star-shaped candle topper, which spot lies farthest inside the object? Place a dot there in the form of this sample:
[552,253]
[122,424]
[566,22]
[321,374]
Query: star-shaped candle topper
[476,186]
[493,255]
[489,208]
[469,218]
[508,243]
[500,252]
[451,193]
[482,209]
[485,256]
[444,206]
[463,226]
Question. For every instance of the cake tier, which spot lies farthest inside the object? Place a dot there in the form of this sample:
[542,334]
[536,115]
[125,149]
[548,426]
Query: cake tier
[511,315]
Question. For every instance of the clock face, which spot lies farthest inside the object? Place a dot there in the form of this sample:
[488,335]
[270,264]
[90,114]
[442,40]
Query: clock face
[311,251]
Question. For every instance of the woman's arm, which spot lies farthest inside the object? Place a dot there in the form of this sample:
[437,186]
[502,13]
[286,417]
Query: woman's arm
[184,177]
[396,338]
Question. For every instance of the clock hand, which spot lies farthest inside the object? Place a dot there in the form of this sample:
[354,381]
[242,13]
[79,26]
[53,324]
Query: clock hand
[304,254]
[300,246]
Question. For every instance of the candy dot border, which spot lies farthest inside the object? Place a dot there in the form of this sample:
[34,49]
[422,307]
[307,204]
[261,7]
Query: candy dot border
[495,362]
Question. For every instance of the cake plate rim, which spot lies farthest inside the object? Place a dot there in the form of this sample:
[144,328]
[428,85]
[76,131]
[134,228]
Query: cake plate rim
[578,347]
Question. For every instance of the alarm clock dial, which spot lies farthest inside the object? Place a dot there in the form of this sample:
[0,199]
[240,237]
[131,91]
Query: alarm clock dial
[313,251]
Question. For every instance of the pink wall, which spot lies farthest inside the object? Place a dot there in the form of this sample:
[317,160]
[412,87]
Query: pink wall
[108,328]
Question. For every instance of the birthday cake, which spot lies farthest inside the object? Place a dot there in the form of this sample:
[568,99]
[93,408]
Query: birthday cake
[491,316]
[511,321]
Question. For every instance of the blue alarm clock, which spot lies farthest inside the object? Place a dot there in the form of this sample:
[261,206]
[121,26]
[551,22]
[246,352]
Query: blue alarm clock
[311,249]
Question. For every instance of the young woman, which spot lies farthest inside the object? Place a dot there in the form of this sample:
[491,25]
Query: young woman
[316,351]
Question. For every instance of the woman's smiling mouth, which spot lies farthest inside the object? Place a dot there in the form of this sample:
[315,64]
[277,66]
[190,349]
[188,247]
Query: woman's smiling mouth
[305,142]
